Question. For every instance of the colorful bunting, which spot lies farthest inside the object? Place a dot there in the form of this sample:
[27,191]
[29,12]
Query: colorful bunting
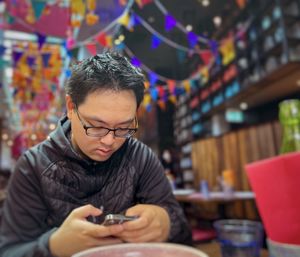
[30,60]
[142,3]
[206,57]
[192,38]
[91,47]
[16,57]
[38,7]
[41,39]
[124,19]
[2,50]
[170,22]
[136,62]
[46,58]
[155,42]
[101,39]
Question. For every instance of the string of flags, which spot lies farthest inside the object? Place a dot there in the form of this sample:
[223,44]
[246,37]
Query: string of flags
[45,71]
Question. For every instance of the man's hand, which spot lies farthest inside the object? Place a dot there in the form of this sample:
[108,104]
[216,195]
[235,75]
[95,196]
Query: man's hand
[153,224]
[77,234]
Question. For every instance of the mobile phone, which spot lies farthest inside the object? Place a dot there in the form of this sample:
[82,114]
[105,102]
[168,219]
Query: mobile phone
[112,219]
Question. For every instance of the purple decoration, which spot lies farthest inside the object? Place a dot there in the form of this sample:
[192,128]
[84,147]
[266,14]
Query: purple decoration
[41,39]
[192,38]
[16,57]
[136,19]
[214,47]
[30,60]
[179,91]
[155,42]
[45,58]
[2,50]
[1,85]
[152,78]
[136,62]
[170,22]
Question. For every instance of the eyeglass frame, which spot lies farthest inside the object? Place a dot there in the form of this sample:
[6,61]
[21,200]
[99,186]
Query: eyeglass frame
[131,132]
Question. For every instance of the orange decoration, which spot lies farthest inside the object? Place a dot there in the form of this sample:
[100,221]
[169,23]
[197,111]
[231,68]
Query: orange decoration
[91,19]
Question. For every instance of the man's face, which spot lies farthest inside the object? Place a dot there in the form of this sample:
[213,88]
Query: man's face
[108,109]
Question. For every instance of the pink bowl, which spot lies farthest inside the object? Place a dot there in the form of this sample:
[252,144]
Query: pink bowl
[142,250]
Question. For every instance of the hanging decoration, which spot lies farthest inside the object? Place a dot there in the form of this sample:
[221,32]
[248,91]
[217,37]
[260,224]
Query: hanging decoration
[91,18]
[38,7]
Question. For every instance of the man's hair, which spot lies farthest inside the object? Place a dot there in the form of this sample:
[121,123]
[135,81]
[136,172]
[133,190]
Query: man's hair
[106,71]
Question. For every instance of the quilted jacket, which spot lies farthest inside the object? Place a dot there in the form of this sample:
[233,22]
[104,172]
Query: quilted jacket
[51,179]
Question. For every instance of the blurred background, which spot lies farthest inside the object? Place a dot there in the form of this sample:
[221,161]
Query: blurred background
[215,72]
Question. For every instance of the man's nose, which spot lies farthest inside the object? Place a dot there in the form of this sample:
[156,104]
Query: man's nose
[108,139]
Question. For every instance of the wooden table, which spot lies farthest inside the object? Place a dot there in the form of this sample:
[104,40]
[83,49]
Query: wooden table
[212,249]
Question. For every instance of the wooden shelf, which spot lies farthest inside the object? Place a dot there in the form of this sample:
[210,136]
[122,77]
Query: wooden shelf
[278,84]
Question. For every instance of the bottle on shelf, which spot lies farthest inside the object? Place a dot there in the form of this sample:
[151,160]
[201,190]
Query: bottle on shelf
[289,116]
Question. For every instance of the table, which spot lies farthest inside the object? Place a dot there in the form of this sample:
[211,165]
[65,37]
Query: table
[223,200]
[212,249]
[195,197]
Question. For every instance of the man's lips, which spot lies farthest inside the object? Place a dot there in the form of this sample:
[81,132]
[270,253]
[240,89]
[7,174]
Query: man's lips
[104,151]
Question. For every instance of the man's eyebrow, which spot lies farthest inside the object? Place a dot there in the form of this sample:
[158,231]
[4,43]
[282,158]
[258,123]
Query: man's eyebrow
[94,118]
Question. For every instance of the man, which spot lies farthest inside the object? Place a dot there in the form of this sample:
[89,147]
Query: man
[89,163]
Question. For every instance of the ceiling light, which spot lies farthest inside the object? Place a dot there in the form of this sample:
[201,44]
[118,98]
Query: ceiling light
[9,142]
[217,21]
[189,27]
[205,2]
[244,106]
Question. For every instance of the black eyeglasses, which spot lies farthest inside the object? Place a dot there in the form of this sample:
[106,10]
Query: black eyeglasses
[102,131]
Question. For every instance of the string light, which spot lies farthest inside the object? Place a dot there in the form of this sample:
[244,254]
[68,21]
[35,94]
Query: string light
[189,27]
[217,21]
[205,3]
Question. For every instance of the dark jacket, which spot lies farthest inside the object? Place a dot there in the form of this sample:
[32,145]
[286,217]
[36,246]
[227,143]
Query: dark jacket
[51,179]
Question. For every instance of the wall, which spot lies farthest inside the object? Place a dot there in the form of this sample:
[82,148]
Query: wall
[232,151]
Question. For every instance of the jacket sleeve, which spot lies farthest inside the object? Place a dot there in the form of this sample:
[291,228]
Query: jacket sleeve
[154,188]
[24,231]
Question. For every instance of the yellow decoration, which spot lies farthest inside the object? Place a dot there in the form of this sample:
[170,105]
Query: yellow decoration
[187,86]
[109,41]
[78,7]
[75,23]
[147,99]
[173,99]
[25,70]
[91,5]
[204,74]
[124,19]
[30,18]
[228,51]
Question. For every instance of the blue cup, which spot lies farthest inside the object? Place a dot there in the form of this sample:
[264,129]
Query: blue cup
[239,238]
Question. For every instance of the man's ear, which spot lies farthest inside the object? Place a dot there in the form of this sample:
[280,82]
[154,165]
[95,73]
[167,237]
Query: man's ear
[70,106]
